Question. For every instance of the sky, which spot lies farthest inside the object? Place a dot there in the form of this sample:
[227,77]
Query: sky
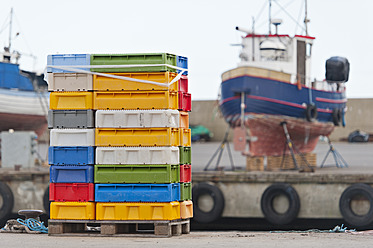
[202,30]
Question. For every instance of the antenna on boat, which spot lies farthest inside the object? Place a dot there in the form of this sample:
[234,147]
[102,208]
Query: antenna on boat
[306,20]
[269,16]
[10,28]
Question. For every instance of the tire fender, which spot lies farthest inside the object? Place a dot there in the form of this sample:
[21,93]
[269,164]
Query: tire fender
[311,112]
[268,210]
[358,189]
[217,196]
[7,200]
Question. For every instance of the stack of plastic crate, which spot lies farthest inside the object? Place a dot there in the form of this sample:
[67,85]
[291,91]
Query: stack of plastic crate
[141,128]
[71,151]
[134,108]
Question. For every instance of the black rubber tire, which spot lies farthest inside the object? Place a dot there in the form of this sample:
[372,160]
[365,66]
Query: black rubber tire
[7,200]
[337,117]
[345,205]
[218,207]
[46,202]
[311,112]
[270,213]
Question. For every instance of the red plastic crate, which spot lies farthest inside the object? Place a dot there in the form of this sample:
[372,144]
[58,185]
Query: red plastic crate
[185,173]
[183,84]
[67,192]
[185,101]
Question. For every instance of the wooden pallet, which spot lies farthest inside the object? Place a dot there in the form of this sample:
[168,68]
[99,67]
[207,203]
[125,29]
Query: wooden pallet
[274,162]
[139,228]
[254,163]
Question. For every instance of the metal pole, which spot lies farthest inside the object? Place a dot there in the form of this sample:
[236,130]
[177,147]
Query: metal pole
[242,109]
[305,17]
[269,16]
[10,28]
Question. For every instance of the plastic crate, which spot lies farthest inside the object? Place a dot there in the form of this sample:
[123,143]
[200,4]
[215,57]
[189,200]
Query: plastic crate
[137,137]
[186,209]
[185,155]
[74,192]
[138,211]
[137,192]
[71,118]
[183,84]
[72,137]
[127,100]
[71,174]
[71,100]
[137,173]
[70,82]
[137,155]
[103,83]
[185,191]
[182,62]
[134,59]
[185,137]
[185,101]
[67,60]
[73,210]
[71,155]
[137,118]
[184,119]
[185,173]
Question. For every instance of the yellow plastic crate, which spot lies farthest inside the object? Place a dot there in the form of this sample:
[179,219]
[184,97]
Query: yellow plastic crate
[73,210]
[164,136]
[135,100]
[185,137]
[71,100]
[138,211]
[184,119]
[186,209]
[102,83]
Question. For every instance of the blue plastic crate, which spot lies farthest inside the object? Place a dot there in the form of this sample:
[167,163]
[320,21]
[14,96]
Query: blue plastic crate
[71,174]
[183,63]
[137,192]
[68,60]
[71,155]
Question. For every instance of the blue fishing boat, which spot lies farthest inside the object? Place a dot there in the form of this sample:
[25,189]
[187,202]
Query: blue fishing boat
[272,84]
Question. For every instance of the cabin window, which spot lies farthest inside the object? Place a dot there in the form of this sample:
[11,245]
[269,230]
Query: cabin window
[308,50]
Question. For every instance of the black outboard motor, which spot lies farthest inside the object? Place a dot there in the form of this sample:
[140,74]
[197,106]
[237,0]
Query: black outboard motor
[337,70]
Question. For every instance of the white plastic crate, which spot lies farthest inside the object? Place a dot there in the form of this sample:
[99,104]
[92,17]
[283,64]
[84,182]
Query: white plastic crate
[137,155]
[137,118]
[72,137]
[70,82]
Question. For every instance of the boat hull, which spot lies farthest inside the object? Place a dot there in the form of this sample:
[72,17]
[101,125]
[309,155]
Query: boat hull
[267,136]
[268,99]
[23,110]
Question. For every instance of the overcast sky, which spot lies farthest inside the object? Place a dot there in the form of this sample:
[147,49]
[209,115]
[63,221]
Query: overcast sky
[202,30]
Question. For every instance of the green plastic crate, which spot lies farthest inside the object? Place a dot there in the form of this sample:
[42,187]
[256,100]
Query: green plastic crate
[134,59]
[153,173]
[185,154]
[185,191]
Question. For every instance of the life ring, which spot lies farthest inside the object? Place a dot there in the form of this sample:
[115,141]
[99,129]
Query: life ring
[46,202]
[215,211]
[311,112]
[7,200]
[336,117]
[356,190]
[266,203]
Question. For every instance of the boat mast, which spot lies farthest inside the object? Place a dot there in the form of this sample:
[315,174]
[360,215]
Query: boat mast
[306,20]
[269,16]
[10,28]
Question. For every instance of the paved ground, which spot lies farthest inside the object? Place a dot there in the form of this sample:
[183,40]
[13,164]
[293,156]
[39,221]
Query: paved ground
[197,239]
[359,156]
